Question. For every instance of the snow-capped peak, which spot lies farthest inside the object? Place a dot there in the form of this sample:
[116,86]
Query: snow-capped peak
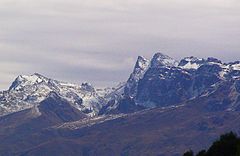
[160,59]
[192,59]
[28,91]
[87,87]
[194,62]
[24,80]
[53,95]
[140,68]
[235,65]
[213,60]
[191,62]
[141,63]
[35,78]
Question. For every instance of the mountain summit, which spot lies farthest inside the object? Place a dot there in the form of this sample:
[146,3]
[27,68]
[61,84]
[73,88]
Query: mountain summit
[164,82]
[28,91]
[160,59]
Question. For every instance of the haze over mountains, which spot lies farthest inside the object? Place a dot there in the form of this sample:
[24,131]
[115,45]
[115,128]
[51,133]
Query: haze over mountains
[164,108]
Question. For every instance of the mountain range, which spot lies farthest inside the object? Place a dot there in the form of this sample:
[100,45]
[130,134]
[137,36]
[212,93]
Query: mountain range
[165,108]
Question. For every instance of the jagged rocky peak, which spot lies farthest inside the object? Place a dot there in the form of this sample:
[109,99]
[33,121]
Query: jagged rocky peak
[194,62]
[142,63]
[23,80]
[213,60]
[87,87]
[191,62]
[53,95]
[192,59]
[141,66]
[160,60]
[27,91]
[35,78]
[235,65]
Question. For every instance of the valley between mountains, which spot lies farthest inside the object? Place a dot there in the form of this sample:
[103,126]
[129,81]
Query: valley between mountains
[165,108]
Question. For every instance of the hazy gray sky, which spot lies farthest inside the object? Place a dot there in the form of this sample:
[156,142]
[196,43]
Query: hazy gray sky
[98,41]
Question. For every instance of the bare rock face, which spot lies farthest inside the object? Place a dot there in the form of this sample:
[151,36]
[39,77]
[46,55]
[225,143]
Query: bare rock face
[163,82]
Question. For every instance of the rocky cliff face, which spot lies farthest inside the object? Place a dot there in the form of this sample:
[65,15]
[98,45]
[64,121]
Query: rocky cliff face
[163,82]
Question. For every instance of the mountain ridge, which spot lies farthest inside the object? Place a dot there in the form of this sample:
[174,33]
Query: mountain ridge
[27,91]
[164,108]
